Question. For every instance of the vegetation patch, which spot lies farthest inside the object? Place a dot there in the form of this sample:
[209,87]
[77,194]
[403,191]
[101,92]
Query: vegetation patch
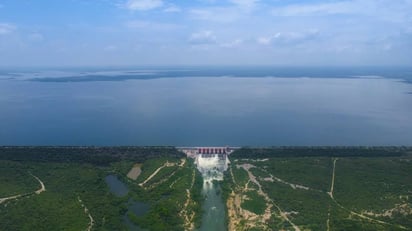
[254,202]
[371,191]
[73,186]
[15,179]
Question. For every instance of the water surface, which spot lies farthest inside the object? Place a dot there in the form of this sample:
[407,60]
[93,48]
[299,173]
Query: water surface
[137,208]
[214,213]
[117,187]
[201,106]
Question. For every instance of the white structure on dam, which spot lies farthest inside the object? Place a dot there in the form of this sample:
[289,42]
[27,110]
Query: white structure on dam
[210,161]
[207,152]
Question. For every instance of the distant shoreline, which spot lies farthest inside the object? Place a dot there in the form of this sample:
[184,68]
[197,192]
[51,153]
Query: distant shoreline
[194,146]
[107,155]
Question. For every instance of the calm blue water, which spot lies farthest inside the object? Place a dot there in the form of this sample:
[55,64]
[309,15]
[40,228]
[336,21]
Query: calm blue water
[206,106]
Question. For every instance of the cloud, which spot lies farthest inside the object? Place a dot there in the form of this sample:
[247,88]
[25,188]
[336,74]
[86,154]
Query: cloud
[216,14]
[36,37]
[203,37]
[348,31]
[398,11]
[172,9]
[231,44]
[6,28]
[245,3]
[141,24]
[289,37]
[110,48]
[143,5]
[264,40]
[315,9]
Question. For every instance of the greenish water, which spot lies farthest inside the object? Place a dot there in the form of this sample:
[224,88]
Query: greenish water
[137,208]
[214,213]
[120,189]
[214,216]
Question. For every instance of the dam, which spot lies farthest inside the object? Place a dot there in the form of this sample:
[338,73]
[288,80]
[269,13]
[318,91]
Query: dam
[193,152]
[211,163]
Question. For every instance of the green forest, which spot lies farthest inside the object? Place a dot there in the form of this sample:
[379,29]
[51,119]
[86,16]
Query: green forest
[279,188]
[370,192]
[74,179]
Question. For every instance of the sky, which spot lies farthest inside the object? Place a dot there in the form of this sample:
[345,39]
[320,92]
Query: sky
[205,32]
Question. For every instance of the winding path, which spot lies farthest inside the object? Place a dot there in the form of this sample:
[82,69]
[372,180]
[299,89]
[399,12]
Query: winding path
[42,189]
[293,186]
[332,184]
[86,211]
[2,200]
[167,164]
[330,193]
[188,218]
[296,186]
[266,196]
[351,211]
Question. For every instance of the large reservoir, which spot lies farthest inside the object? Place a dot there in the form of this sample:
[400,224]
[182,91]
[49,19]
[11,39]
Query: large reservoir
[206,106]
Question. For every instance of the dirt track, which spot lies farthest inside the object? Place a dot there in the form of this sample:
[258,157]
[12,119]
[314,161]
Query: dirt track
[42,189]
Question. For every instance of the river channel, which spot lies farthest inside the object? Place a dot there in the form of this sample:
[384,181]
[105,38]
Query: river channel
[214,214]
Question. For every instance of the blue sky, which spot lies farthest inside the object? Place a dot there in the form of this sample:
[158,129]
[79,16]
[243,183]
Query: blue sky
[205,32]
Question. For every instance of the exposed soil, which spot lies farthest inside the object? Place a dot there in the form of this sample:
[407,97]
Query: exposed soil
[403,209]
[134,173]
[167,164]
[188,216]
[242,219]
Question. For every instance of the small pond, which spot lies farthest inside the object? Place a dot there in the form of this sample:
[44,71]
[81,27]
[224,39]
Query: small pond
[117,187]
[120,189]
[139,209]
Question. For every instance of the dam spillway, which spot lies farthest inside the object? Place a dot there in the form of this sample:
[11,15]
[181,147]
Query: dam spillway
[211,163]
[212,166]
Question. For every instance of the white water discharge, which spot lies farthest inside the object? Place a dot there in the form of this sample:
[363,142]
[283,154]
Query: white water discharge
[212,167]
